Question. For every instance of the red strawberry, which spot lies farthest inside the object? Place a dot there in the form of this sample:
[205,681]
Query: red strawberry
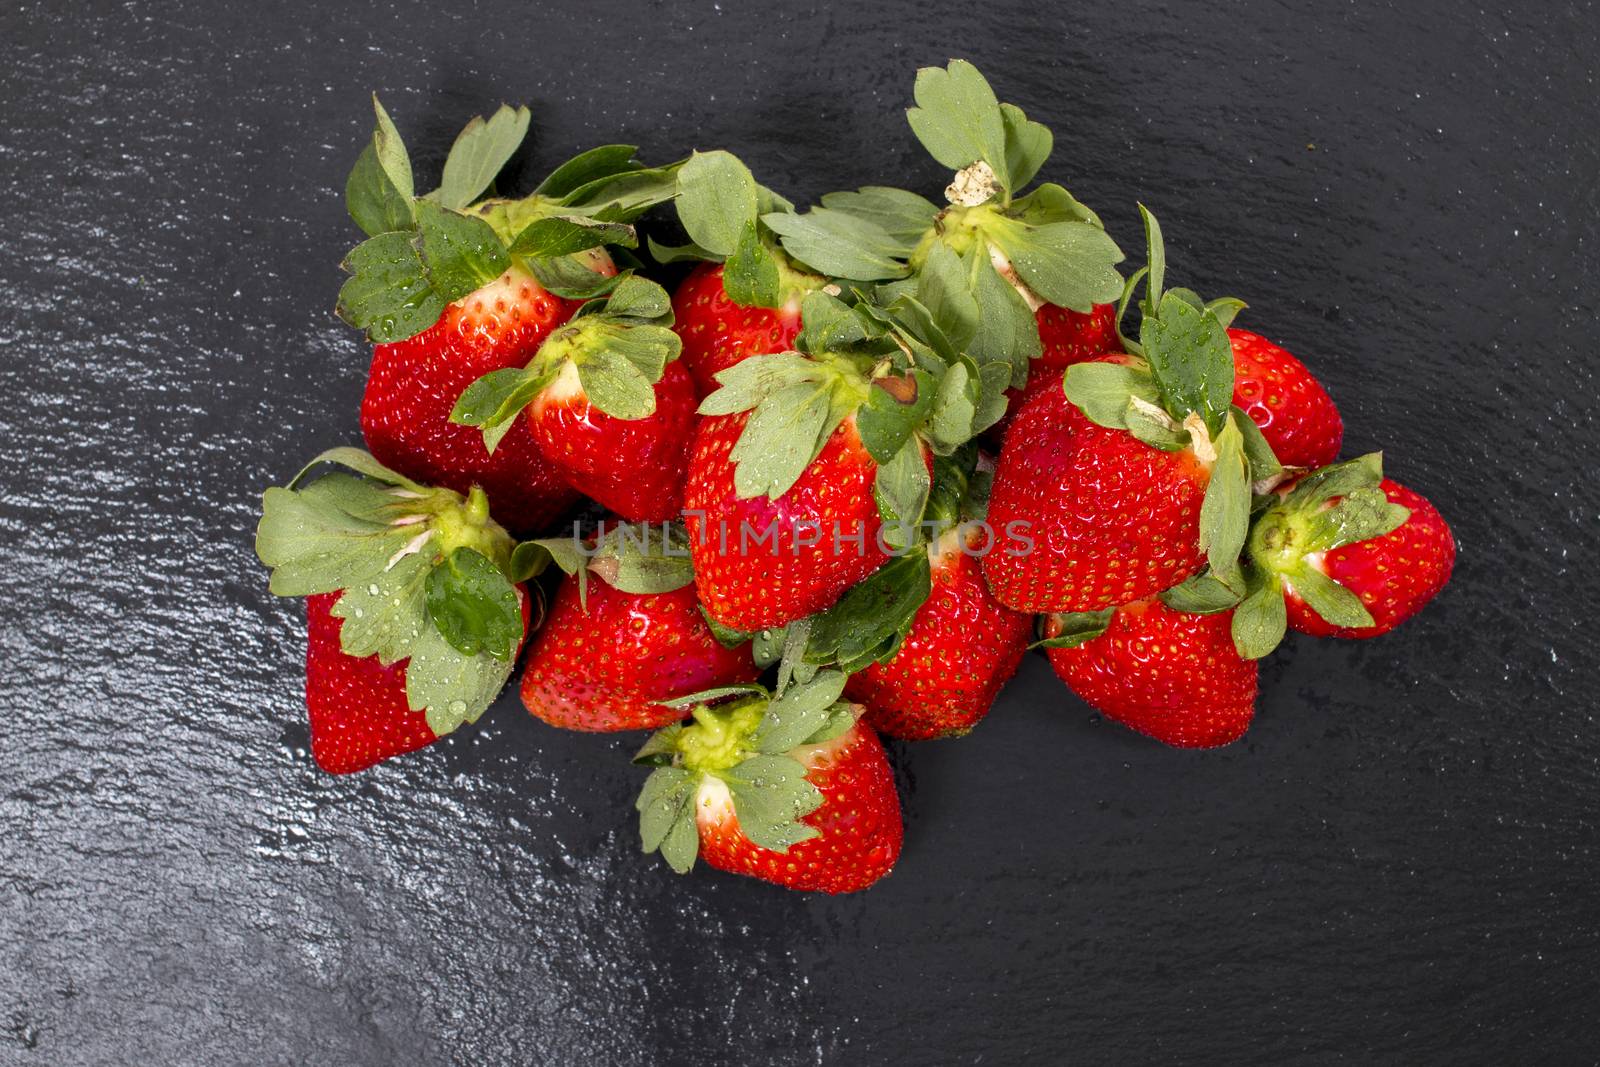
[634,467]
[1087,516]
[792,791]
[607,664]
[414,611]
[357,705]
[801,567]
[607,405]
[1295,413]
[1169,674]
[1138,475]
[1394,575]
[717,332]
[962,647]
[414,384]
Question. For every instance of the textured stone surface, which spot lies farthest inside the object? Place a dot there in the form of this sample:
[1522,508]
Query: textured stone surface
[1397,865]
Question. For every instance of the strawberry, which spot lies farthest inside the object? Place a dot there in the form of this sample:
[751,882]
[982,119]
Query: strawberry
[415,610]
[608,656]
[809,467]
[1021,282]
[749,584]
[450,288]
[605,403]
[1293,411]
[718,332]
[1089,516]
[1352,553]
[1171,675]
[792,790]
[1135,478]
[962,645]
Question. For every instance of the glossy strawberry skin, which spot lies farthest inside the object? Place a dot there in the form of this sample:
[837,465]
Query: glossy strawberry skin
[963,646]
[606,668]
[357,707]
[859,827]
[1295,413]
[1395,575]
[1111,520]
[717,333]
[633,467]
[1067,337]
[414,384]
[1170,675]
[750,586]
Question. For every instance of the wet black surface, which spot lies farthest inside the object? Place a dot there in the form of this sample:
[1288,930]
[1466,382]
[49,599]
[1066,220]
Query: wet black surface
[1398,864]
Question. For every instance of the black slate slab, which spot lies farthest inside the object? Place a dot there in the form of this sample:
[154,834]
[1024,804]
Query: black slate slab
[1398,865]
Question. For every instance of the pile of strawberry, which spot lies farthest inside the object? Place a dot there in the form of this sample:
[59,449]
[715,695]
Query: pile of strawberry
[839,482]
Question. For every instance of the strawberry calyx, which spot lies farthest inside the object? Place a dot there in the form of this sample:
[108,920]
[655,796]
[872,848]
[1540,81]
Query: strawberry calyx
[725,212]
[1337,505]
[426,251]
[995,256]
[746,745]
[610,354]
[424,575]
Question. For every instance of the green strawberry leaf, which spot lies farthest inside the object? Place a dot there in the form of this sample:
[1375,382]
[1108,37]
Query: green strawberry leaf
[1225,511]
[902,217]
[381,612]
[391,152]
[388,293]
[1028,145]
[748,382]
[570,277]
[770,796]
[1074,628]
[896,406]
[786,648]
[480,152]
[585,168]
[1337,605]
[666,816]
[1262,461]
[959,121]
[372,199]
[1102,391]
[494,401]
[870,620]
[562,235]
[1156,255]
[1191,359]
[1152,425]
[1051,203]
[617,378]
[945,290]
[839,245]
[451,687]
[798,713]
[1205,594]
[1260,619]
[644,558]
[473,605]
[1069,264]
[1007,331]
[459,252]
[726,636]
[753,276]
[690,252]
[717,196]
[901,491]
[952,420]
[314,544]
[783,435]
